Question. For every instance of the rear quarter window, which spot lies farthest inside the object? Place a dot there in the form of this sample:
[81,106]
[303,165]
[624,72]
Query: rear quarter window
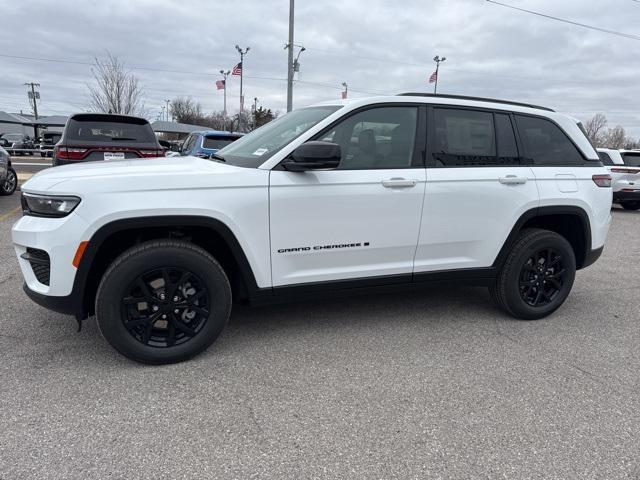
[547,144]
[631,159]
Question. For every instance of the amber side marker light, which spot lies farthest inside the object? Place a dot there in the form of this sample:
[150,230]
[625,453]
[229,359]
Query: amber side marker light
[79,252]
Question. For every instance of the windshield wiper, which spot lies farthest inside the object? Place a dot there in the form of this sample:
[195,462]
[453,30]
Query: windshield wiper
[215,156]
[124,138]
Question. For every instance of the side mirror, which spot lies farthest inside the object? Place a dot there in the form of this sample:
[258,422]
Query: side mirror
[312,156]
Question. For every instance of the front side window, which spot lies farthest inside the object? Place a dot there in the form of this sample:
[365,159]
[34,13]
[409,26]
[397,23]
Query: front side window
[376,138]
[463,138]
[546,144]
[257,147]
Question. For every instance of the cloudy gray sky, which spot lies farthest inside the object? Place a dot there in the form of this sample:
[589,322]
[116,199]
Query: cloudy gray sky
[376,46]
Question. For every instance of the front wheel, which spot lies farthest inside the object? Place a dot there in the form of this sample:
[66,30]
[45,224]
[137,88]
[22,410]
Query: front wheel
[634,205]
[537,275]
[163,301]
[10,183]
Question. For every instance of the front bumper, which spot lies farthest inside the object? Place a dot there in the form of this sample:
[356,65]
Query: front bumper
[68,304]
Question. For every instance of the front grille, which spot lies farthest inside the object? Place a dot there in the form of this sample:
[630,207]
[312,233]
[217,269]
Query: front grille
[40,264]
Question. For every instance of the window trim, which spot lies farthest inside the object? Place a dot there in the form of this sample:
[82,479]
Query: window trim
[420,136]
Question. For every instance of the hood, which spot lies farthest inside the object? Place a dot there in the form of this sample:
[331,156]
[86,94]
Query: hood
[137,175]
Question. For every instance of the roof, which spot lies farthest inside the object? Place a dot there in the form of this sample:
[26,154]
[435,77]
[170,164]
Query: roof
[46,121]
[174,127]
[13,118]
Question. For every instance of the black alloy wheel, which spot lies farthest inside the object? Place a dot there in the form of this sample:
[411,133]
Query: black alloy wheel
[542,277]
[166,307]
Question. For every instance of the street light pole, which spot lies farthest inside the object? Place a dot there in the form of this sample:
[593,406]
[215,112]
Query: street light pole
[167,109]
[290,59]
[242,54]
[224,76]
[438,60]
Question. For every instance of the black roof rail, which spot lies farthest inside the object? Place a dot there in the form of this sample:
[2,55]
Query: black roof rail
[479,99]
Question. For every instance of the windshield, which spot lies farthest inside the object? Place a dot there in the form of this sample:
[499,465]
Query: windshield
[631,159]
[254,149]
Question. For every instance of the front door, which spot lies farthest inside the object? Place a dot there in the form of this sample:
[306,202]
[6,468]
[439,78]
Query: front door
[361,219]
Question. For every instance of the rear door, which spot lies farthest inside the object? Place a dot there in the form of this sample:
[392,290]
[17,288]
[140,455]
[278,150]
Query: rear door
[477,187]
[362,219]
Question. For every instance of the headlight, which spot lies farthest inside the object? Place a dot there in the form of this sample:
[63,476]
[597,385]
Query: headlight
[48,205]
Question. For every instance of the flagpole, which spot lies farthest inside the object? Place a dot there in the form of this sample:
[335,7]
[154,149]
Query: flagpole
[437,59]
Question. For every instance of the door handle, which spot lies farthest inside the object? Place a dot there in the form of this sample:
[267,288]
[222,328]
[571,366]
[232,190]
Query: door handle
[398,183]
[512,180]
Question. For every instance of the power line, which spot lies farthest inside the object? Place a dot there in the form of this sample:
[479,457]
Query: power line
[571,22]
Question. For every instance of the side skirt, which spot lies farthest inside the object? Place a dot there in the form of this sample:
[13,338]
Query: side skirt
[477,277]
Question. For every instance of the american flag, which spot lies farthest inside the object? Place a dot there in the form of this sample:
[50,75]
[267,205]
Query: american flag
[237,70]
[220,84]
[434,77]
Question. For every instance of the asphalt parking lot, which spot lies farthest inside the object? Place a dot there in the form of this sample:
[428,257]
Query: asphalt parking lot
[436,384]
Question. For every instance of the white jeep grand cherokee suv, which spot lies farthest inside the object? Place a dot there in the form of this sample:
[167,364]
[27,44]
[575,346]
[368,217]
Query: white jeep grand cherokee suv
[368,194]
[624,166]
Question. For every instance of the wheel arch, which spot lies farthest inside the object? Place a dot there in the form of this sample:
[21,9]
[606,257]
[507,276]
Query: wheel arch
[115,237]
[572,222]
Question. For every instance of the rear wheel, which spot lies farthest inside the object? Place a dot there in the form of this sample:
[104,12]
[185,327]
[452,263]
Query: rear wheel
[634,205]
[537,275]
[10,183]
[163,301]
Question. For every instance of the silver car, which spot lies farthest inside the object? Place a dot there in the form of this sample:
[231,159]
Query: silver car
[8,177]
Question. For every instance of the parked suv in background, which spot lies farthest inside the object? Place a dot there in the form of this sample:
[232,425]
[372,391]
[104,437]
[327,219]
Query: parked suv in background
[369,194]
[625,178]
[48,142]
[8,177]
[206,143]
[91,137]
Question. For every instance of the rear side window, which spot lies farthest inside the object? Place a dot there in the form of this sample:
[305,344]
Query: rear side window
[107,132]
[631,159]
[217,141]
[545,143]
[463,138]
[605,158]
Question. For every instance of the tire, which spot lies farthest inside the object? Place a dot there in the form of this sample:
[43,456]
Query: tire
[148,337]
[10,182]
[634,205]
[526,286]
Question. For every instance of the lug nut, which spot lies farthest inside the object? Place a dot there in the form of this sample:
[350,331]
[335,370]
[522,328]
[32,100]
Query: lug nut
[162,296]
[154,308]
[164,317]
[176,311]
[175,299]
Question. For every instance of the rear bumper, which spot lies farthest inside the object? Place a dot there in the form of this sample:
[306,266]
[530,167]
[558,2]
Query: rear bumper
[591,257]
[626,196]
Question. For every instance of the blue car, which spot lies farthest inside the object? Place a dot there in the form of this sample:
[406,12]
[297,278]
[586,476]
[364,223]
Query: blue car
[206,143]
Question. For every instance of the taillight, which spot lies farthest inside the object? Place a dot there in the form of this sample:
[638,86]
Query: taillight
[66,153]
[625,170]
[152,153]
[602,180]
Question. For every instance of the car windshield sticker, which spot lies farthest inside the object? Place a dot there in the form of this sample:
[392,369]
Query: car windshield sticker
[260,151]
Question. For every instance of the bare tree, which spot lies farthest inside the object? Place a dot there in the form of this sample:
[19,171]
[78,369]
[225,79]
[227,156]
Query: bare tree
[185,110]
[115,90]
[595,128]
[615,138]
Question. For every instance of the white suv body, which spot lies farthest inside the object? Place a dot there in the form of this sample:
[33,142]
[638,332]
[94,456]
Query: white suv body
[419,189]
[625,177]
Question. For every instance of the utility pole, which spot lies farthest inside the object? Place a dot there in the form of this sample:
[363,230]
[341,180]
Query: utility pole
[438,60]
[167,109]
[242,54]
[33,100]
[290,59]
[33,97]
